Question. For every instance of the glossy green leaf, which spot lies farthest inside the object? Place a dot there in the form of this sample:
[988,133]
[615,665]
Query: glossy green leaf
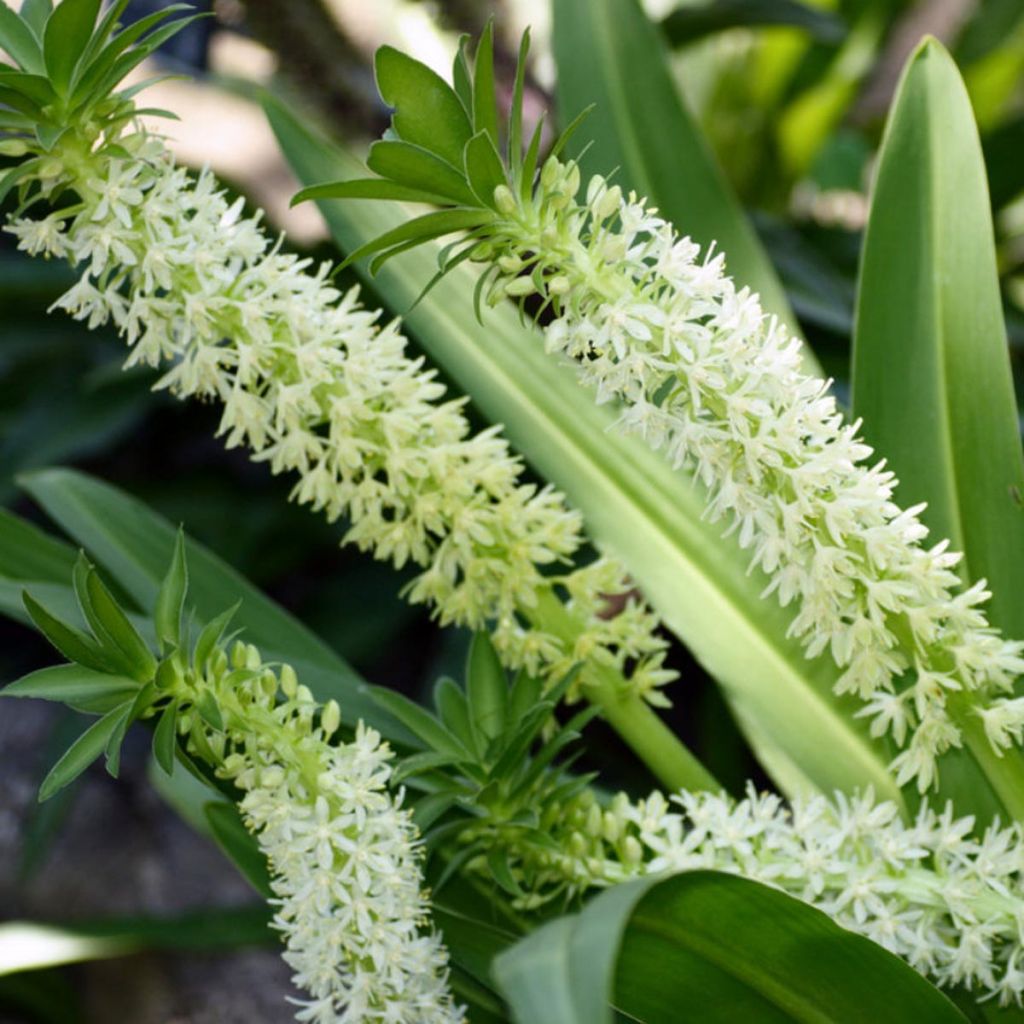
[725,948]
[67,33]
[416,167]
[641,126]
[931,368]
[431,116]
[110,622]
[453,707]
[86,749]
[632,502]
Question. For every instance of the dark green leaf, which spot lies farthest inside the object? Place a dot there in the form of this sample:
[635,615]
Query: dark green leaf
[427,111]
[485,103]
[239,845]
[418,168]
[417,764]
[82,752]
[170,599]
[725,948]
[430,807]
[486,687]
[111,624]
[67,35]
[497,864]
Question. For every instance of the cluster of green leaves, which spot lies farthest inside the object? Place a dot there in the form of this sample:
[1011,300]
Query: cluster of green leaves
[445,148]
[68,62]
[489,769]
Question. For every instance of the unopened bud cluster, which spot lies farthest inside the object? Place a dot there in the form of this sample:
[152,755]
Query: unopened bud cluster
[312,384]
[705,376]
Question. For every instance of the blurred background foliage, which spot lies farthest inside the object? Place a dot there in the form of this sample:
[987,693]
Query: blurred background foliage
[791,96]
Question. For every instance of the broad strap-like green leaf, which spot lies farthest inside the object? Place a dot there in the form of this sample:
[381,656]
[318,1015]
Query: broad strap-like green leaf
[640,125]
[632,501]
[712,948]
[931,368]
[931,371]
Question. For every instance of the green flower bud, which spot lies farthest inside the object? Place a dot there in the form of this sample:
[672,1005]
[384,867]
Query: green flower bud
[505,200]
[520,286]
[331,718]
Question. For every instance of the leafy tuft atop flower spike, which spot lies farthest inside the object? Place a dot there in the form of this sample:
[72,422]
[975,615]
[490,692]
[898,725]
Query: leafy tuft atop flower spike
[344,856]
[707,378]
[66,64]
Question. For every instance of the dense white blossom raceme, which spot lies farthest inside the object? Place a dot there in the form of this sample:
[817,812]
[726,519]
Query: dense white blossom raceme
[344,856]
[705,376]
[949,902]
[312,384]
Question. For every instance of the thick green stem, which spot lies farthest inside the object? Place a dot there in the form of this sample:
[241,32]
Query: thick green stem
[626,711]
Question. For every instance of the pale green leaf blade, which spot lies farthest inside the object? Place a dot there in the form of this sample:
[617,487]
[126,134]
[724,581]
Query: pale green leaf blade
[931,367]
